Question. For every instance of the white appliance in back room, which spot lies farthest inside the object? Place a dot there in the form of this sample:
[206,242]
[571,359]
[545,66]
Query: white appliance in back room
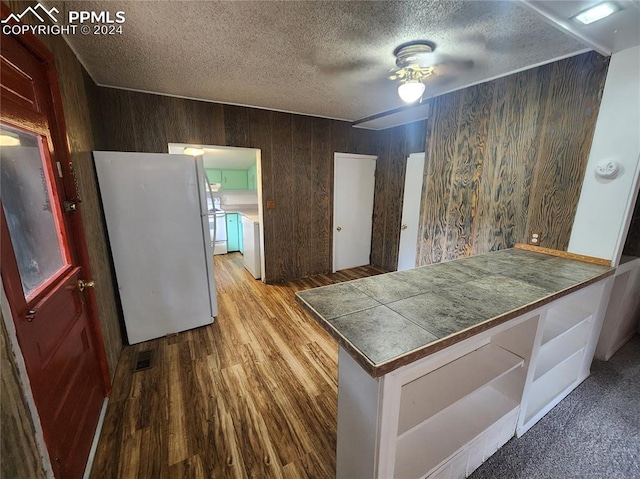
[218,227]
[157,216]
[251,246]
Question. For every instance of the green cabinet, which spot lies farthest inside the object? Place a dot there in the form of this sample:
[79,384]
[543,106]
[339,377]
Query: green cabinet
[214,176]
[234,232]
[252,178]
[234,180]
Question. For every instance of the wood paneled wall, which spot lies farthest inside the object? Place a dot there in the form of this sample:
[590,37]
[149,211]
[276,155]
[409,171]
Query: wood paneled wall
[19,456]
[395,146]
[297,163]
[508,157]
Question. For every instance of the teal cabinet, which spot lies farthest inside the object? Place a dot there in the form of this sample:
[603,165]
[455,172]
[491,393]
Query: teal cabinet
[214,176]
[234,232]
[234,180]
[252,178]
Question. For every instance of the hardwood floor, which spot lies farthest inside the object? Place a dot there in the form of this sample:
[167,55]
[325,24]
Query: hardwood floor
[252,395]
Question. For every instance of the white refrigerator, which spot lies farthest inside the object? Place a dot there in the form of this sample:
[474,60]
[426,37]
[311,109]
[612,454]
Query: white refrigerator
[155,206]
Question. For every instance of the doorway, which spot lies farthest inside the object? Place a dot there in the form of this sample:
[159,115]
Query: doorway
[235,177]
[353,189]
[45,271]
[413,180]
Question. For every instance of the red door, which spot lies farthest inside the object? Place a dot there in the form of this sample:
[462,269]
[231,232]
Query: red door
[44,258]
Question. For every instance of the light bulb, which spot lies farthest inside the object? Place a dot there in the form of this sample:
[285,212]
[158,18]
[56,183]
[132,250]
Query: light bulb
[411,91]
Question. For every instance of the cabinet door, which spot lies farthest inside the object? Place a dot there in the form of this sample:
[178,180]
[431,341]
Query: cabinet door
[240,241]
[252,178]
[214,176]
[234,179]
[233,243]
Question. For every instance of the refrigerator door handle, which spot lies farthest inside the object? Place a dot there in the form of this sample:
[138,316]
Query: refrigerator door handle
[215,224]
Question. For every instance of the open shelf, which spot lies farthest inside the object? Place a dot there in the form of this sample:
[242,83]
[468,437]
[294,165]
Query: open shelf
[561,320]
[432,443]
[549,386]
[561,347]
[425,397]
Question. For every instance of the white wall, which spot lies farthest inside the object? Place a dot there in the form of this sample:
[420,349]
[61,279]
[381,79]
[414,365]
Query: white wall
[605,206]
[237,198]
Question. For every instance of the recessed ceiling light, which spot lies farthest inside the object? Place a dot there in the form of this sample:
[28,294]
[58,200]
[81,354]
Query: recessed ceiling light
[191,151]
[598,12]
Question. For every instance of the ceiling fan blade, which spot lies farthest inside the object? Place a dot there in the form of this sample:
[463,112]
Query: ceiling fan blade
[452,67]
[348,66]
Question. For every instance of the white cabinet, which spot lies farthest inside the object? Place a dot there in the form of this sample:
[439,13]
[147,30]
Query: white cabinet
[442,416]
[251,246]
[568,331]
[623,314]
[453,418]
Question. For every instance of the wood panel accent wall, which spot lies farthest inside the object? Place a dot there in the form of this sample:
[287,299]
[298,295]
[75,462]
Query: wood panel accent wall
[395,146]
[508,157]
[77,90]
[297,163]
[19,455]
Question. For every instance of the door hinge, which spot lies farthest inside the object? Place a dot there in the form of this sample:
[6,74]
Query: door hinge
[70,206]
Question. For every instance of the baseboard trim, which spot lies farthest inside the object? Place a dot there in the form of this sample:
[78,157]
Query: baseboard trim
[96,438]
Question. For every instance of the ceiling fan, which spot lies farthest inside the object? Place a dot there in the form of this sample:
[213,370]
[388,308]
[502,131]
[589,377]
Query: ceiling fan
[415,64]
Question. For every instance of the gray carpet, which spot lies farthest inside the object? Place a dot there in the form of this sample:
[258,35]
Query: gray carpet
[594,433]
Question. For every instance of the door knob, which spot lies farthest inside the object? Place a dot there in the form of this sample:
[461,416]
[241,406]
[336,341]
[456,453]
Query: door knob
[82,285]
[339,228]
[404,227]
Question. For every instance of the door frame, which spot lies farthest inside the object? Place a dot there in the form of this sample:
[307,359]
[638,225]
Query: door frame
[58,130]
[176,148]
[24,383]
[419,157]
[352,156]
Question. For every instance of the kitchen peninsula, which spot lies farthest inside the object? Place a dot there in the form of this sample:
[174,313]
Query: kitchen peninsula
[441,365]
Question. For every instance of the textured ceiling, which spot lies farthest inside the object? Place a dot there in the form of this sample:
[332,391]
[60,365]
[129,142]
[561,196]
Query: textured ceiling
[328,59]
[609,35]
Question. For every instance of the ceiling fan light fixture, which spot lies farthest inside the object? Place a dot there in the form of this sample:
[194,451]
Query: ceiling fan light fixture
[411,90]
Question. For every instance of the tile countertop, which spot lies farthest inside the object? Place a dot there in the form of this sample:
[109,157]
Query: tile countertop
[393,319]
[248,211]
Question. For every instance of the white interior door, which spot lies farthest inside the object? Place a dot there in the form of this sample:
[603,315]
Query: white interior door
[411,211]
[353,186]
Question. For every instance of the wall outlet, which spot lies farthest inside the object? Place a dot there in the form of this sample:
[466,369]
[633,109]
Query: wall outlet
[534,238]
[225,200]
[271,204]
